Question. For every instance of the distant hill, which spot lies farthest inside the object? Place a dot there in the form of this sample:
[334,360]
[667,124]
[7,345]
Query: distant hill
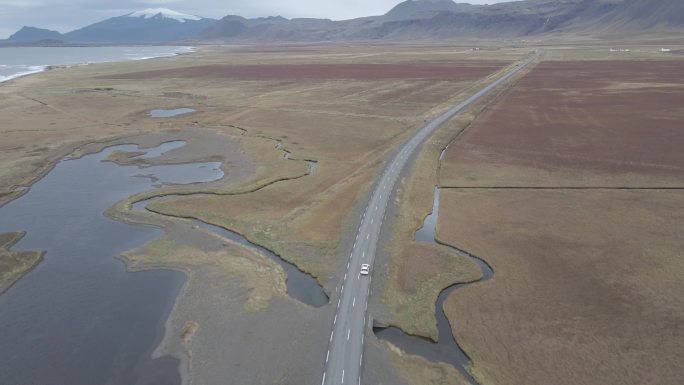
[269,29]
[417,8]
[445,19]
[155,25]
[640,15]
[409,20]
[32,34]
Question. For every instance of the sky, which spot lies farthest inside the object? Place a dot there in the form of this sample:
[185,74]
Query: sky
[67,15]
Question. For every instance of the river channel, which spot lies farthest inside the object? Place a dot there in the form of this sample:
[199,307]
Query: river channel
[79,318]
[300,285]
[446,349]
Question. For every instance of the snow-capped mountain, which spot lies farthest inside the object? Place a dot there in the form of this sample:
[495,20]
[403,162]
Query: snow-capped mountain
[150,13]
[153,25]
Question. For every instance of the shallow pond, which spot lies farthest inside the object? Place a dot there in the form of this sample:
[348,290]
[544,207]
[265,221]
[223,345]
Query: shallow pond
[161,113]
[79,317]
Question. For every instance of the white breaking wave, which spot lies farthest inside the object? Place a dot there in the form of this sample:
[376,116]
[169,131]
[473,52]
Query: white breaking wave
[164,12]
[29,71]
[50,55]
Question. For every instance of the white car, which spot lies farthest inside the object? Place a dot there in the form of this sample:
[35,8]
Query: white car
[365,269]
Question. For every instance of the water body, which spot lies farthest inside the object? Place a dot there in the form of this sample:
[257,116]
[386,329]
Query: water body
[160,113]
[446,349]
[20,61]
[79,317]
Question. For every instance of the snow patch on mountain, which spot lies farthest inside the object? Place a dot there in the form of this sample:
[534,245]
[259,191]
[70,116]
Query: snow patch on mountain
[164,12]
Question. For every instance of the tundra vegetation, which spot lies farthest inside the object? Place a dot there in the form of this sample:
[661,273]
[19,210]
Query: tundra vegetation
[343,108]
[570,186]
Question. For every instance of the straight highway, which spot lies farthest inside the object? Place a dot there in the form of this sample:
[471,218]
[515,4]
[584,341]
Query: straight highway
[344,358]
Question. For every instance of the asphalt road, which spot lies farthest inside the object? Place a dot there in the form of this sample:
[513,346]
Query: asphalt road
[344,358]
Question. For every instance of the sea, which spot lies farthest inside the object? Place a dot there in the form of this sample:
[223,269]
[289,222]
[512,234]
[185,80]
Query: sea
[21,61]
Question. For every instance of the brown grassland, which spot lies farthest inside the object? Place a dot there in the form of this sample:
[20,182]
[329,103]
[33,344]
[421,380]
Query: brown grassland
[316,104]
[335,115]
[348,124]
[562,186]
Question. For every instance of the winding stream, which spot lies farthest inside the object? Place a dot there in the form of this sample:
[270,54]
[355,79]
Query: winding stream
[300,285]
[446,349]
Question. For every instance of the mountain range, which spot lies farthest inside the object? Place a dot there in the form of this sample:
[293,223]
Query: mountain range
[153,25]
[409,20]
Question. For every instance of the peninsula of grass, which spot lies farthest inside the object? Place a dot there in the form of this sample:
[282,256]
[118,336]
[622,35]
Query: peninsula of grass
[15,264]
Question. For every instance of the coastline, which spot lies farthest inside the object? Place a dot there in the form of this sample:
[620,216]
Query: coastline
[59,154]
[36,69]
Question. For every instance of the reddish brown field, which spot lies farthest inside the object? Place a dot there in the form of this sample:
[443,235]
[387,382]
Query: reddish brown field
[457,70]
[587,286]
[607,123]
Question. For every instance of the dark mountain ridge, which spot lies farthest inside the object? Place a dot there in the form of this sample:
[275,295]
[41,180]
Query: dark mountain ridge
[148,26]
[409,20]
[445,19]
[31,34]
[154,25]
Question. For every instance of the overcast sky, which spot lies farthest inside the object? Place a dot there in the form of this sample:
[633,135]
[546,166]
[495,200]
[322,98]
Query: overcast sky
[67,15]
